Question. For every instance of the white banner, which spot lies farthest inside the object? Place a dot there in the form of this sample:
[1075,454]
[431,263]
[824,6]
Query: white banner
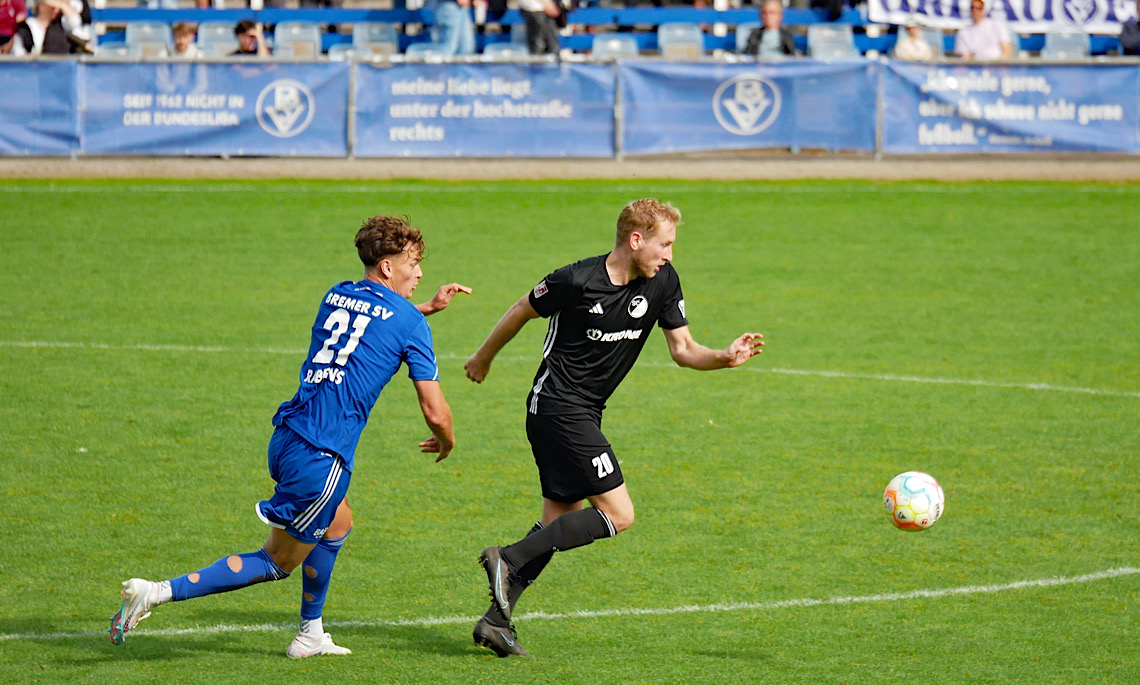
[1020,16]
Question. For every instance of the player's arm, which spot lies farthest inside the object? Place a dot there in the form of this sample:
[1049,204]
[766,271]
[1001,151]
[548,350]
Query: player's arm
[437,414]
[442,298]
[508,327]
[691,354]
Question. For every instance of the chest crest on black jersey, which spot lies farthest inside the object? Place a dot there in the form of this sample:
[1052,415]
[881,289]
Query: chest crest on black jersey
[638,306]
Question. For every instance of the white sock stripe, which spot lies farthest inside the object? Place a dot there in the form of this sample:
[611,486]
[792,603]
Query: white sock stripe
[306,517]
[609,524]
[664,611]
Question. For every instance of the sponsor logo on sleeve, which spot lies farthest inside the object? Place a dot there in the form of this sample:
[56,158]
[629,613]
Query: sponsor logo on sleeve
[541,289]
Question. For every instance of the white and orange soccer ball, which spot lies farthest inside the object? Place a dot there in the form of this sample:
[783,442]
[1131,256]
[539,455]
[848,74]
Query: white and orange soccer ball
[914,501]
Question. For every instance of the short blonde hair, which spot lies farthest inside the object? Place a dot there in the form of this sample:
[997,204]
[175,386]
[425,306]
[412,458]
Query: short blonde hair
[645,216]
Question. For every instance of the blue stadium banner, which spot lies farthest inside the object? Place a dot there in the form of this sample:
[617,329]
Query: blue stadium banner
[252,108]
[939,108]
[1020,16]
[38,105]
[686,107]
[485,110]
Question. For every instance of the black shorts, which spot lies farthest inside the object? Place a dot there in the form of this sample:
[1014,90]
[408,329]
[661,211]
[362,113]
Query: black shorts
[574,459]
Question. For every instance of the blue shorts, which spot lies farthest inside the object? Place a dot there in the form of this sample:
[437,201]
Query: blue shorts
[310,486]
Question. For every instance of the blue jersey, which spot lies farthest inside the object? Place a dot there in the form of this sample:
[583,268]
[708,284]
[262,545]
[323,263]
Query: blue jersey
[362,333]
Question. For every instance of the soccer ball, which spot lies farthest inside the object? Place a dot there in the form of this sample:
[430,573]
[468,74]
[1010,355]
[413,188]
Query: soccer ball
[914,501]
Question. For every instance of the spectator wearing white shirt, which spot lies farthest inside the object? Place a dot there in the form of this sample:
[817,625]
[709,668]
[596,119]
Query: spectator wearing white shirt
[58,27]
[912,44]
[985,38]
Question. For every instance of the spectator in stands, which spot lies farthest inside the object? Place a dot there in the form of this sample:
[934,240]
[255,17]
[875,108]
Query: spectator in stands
[772,39]
[12,14]
[912,44]
[541,26]
[1130,35]
[985,38]
[456,28]
[251,39]
[185,34]
[58,27]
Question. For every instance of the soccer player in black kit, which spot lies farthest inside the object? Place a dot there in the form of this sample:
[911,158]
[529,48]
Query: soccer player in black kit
[601,312]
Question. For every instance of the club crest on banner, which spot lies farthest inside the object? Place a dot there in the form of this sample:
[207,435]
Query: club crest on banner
[285,108]
[746,104]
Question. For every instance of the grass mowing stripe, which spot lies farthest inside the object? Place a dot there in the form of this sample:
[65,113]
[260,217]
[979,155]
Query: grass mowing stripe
[451,356]
[604,613]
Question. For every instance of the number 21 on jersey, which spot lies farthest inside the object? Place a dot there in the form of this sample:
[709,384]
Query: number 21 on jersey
[336,325]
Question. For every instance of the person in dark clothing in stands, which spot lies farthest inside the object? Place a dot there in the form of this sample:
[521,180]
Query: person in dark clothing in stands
[772,39]
[1130,35]
[251,39]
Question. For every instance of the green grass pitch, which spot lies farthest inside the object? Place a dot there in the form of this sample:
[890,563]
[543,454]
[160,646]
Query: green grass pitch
[985,333]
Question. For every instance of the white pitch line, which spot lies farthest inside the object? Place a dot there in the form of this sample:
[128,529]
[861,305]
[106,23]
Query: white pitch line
[209,349]
[606,613]
[665,185]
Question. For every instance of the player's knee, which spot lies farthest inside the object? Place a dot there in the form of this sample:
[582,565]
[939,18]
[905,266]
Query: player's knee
[621,520]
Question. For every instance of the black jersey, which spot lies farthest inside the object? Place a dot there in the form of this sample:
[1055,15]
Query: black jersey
[596,331]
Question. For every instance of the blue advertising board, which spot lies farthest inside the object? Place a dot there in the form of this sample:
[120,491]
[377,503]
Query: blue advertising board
[183,108]
[484,110]
[38,105]
[683,107]
[939,108]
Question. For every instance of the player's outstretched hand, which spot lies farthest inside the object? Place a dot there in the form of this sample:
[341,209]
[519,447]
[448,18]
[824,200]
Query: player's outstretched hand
[476,368]
[744,348]
[431,445]
[443,297]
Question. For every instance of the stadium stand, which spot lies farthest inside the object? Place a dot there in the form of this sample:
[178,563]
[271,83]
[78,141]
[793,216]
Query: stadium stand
[405,24]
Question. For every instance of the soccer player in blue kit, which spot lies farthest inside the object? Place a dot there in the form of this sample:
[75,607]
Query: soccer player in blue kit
[363,331]
[601,311]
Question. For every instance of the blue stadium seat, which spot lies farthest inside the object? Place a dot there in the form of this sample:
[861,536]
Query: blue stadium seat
[341,52]
[831,41]
[297,40]
[216,38]
[150,38]
[375,38]
[1066,45]
[680,41]
[425,51]
[616,45]
[504,52]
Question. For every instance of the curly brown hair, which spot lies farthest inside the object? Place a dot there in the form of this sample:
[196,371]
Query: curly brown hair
[384,236]
[645,216]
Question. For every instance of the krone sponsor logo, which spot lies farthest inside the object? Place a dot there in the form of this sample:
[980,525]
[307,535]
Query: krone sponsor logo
[615,336]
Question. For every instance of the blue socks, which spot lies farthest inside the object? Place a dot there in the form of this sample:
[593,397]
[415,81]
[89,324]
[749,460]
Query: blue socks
[316,572]
[228,573]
